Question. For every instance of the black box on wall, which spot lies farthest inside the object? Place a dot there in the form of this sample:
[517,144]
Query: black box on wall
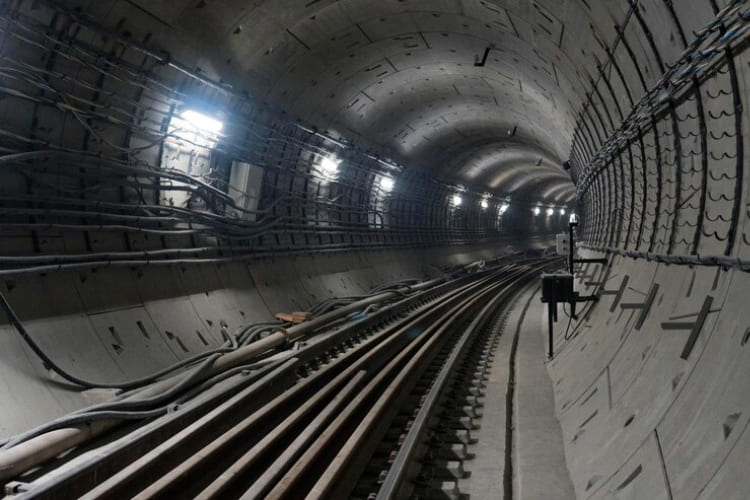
[557,288]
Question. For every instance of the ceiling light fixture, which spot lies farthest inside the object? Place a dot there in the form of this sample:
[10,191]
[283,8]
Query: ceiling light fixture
[330,165]
[386,184]
[196,128]
[200,122]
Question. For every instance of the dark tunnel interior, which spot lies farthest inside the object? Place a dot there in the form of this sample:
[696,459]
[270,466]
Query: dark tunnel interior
[172,171]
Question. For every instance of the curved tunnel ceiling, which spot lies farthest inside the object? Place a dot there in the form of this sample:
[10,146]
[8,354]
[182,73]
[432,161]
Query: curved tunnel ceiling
[481,93]
[125,255]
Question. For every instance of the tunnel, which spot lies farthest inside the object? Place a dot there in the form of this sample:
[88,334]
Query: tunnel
[295,249]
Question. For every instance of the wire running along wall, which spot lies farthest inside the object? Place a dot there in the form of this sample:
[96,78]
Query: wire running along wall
[656,184]
[102,172]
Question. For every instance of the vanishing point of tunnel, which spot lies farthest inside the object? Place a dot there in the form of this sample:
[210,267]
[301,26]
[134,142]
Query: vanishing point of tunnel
[375,249]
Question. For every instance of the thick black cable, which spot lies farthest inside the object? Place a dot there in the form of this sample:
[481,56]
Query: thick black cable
[232,344]
[570,320]
[101,412]
[136,404]
[49,364]
[83,418]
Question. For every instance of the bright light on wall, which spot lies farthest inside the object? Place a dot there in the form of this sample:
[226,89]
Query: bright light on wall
[503,208]
[196,128]
[386,184]
[550,211]
[329,165]
[485,204]
[199,121]
[537,210]
[562,211]
[457,200]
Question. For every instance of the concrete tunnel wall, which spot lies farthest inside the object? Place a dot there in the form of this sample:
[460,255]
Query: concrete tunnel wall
[651,387]
[112,325]
[646,413]
[651,394]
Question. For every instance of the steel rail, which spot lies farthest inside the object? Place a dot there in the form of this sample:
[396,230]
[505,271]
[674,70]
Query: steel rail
[387,389]
[394,482]
[83,476]
[271,433]
[261,487]
[41,449]
[176,466]
[336,480]
[380,394]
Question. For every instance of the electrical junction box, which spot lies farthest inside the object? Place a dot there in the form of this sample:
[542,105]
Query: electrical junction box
[557,288]
[563,244]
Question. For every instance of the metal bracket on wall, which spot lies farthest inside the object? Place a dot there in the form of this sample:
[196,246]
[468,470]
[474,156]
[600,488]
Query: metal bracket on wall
[694,326]
[584,274]
[617,293]
[645,306]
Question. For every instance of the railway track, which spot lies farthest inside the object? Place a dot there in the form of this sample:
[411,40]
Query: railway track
[426,452]
[379,405]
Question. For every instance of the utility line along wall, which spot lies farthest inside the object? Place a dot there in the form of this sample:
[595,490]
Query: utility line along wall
[652,387]
[102,167]
[394,125]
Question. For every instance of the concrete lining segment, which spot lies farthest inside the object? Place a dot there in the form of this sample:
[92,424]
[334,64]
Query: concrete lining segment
[77,332]
[376,69]
[638,421]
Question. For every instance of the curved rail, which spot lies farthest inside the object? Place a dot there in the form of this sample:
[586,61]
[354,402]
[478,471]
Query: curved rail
[306,421]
